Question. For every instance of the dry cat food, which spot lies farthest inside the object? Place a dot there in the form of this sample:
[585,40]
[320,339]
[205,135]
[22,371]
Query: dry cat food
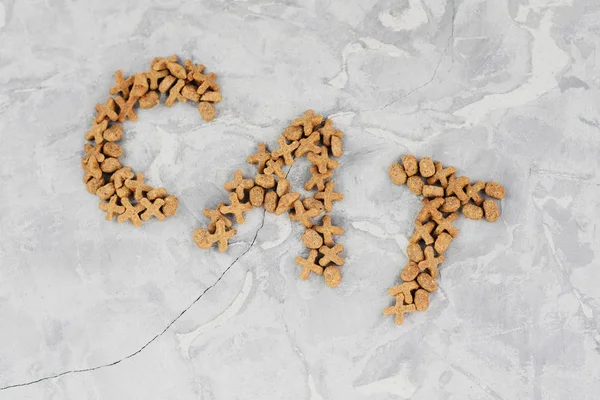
[444,196]
[124,194]
[320,142]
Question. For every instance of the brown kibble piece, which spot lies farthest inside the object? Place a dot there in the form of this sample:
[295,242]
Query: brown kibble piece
[332,276]
[293,133]
[108,110]
[331,255]
[317,179]
[257,196]
[415,184]
[430,209]
[270,202]
[111,208]
[308,265]
[274,168]
[495,190]
[170,206]
[175,94]
[94,184]
[421,300]
[472,211]
[150,99]
[405,289]
[189,92]
[92,152]
[415,252]
[140,85]
[106,192]
[433,191]
[160,63]
[427,282]
[176,70]
[260,158]
[204,239]
[300,214]
[285,150]
[212,97]
[206,82]
[397,174]
[206,110]
[441,175]
[97,131]
[113,133]
[445,224]
[120,176]
[193,69]
[308,121]
[442,242]
[472,193]
[450,205]
[399,309]
[410,164]
[312,239]
[236,208]
[328,230]
[328,196]
[166,83]
[431,262]
[308,144]
[283,187]
[158,193]
[110,165]
[491,211]
[456,187]
[410,271]
[126,108]
[121,85]
[322,160]
[154,76]
[266,181]
[138,186]
[426,167]
[311,202]
[422,232]
[152,209]
[112,149]
[286,202]
[123,191]
[131,212]
[239,184]
[337,148]
[328,132]
[216,216]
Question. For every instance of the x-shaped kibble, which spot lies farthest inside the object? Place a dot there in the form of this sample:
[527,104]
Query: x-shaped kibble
[309,144]
[97,131]
[431,262]
[152,209]
[317,179]
[456,187]
[328,132]
[239,184]
[126,108]
[445,224]
[260,158]
[192,69]
[285,150]
[112,208]
[274,168]
[138,186]
[302,215]
[331,254]
[405,289]
[121,85]
[328,196]
[430,209]
[93,152]
[154,76]
[472,193]
[120,176]
[175,94]
[441,174]
[308,265]
[216,216]
[399,309]
[204,239]
[206,82]
[131,212]
[308,121]
[328,230]
[322,160]
[107,110]
[236,208]
[422,232]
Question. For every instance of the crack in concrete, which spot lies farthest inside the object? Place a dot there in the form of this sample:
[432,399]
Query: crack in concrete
[135,353]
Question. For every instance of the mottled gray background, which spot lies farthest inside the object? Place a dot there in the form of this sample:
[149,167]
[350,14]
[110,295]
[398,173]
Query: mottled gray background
[504,90]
